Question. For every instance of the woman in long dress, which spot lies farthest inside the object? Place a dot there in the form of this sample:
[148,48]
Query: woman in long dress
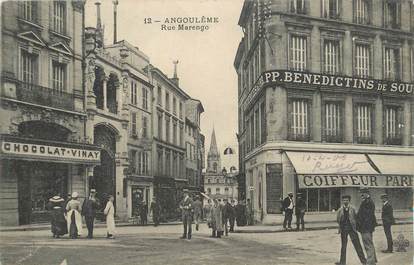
[57,216]
[216,219]
[109,211]
[74,218]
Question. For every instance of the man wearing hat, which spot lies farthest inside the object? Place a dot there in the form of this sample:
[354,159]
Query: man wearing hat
[89,207]
[186,206]
[346,218]
[387,216]
[300,211]
[366,223]
[287,207]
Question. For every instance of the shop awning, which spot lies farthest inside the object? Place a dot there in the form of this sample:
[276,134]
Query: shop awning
[394,164]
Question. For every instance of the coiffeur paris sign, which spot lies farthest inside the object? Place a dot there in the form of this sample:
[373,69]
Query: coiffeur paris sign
[49,152]
[275,77]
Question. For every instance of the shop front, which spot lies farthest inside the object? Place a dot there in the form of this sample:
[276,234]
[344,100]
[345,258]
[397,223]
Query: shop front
[34,170]
[140,190]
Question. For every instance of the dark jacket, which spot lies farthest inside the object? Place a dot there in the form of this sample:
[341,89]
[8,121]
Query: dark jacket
[387,214]
[366,220]
[228,211]
[89,207]
[300,206]
[352,217]
[286,203]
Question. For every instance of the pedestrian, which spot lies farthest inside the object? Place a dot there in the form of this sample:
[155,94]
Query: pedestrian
[226,216]
[186,207]
[198,211]
[366,223]
[249,212]
[207,212]
[387,216]
[241,214]
[287,208]
[216,219]
[109,212]
[156,211]
[73,217]
[300,210]
[89,208]
[143,213]
[346,218]
[232,215]
[58,223]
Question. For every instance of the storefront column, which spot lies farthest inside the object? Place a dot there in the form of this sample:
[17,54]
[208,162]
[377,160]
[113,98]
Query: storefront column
[379,139]
[316,117]
[407,123]
[349,126]
[104,92]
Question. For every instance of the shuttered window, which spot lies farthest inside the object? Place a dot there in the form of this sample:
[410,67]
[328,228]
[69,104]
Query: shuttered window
[392,125]
[28,67]
[298,53]
[297,6]
[392,14]
[332,56]
[332,122]
[391,63]
[58,76]
[362,60]
[29,10]
[144,98]
[134,123]
[330,9]
[299,119]
[364,123]
[361,11]
[59,15]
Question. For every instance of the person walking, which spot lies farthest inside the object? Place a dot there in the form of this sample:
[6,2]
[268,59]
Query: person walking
[143,213]
[198,211]
[300,210]
[249,212]
[156,211]
[366,223]
[241,214]
[73,217]
[89,207]
[58,223]
[232,215]
[387,216]
[217,219]
[207,212]
[109,212]
[346,218]
[287,208]
[226,216]
[186,207]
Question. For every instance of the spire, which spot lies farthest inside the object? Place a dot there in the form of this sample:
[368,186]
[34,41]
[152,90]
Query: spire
[115,2]
[99,29]
[213,145]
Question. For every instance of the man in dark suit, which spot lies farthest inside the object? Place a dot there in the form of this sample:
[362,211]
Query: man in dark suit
[186,206]
[300,211]
[387,216]
[287,207]
[346,218]
[89,207]
[366,222]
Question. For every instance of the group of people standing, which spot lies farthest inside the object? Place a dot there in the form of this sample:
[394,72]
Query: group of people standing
[66,216]
[289,207]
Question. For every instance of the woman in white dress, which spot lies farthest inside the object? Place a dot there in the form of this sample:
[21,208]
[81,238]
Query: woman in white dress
[109,211]
[73,216]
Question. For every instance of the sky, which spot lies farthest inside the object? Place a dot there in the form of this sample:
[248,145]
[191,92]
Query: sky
[205,58]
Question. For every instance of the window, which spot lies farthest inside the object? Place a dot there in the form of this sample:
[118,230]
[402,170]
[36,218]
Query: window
[362,60]
[168,162]
[263,122]
[297,6]
[299,120]
[134,93]
[29,10]
[133,161]
[143,160]
[167,101]
[160,126]
[181,136]
[331,56]
[175,165]
[174,105]
[159,96]
[330,9]
[392,125]
[144,98]
[252,131]
[321,200]
[144,127]
[392,12]
[332,122]
[28,67]
[391,63]
[257,128]
[175,133]
[361,11]
[298,53]
[180,113]
[364,123]
[59,16]
[59,76]
[167,129]
[134,124]
[160,163]
[217,190]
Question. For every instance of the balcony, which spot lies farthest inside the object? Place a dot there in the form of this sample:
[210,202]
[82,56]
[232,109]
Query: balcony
[40,95]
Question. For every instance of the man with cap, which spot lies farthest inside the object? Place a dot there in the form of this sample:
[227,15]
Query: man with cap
[366,222]
[387,216]
[287,207]
[346,218]
[89,207]
[186,206]
[300,211]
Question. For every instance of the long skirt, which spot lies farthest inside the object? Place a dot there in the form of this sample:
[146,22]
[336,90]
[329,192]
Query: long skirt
[58,223]
[74,223]
[110,224]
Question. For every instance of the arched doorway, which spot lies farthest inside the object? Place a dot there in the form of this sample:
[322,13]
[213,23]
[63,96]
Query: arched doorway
[103,179]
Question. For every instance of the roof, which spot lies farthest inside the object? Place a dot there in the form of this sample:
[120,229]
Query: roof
[168,80]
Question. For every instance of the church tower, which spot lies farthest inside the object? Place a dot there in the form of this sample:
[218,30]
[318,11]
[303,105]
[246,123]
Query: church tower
[213,157]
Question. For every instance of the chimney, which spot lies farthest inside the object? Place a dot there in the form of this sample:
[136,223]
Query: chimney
[99,31]
[175,78]
[115,14]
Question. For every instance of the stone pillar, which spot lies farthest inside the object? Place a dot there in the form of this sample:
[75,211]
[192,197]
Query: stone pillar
[316,117]
[119,98]
[408,117]
[378,129]
[104,93]
[121,163]
[347,44]
[349,123]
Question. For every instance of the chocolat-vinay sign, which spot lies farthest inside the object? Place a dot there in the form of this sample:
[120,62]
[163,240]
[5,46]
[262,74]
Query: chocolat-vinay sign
[275,77]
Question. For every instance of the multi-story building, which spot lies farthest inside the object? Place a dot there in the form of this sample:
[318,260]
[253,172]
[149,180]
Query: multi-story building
[219,183]
[193,144]
[44,144]
[326,102]
[119,107]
